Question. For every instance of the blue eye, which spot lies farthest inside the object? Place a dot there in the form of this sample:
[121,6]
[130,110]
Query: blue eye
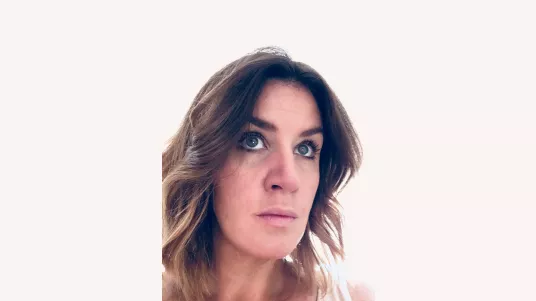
[251,141]
[304,150]
[254,141]
[307,149]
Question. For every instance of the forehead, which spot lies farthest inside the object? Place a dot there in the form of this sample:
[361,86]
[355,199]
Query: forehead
[281,102]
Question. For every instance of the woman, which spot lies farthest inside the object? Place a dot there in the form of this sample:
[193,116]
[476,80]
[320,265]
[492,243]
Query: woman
[249,184]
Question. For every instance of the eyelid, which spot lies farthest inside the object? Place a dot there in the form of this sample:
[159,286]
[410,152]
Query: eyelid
[256,134]
[251,133]
[311,143]
[315,148]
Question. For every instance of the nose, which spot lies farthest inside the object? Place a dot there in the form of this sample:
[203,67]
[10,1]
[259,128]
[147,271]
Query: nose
[282,175]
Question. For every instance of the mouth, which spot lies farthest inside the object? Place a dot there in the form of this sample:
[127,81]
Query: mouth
[277,217]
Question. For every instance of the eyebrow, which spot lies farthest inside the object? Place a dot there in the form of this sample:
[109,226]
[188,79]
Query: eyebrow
[266,125]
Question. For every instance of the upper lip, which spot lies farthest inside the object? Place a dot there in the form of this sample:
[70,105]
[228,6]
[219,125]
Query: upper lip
[278,211]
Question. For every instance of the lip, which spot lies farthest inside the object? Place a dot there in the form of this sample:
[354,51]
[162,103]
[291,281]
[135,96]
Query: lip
[278,212]
[277,217]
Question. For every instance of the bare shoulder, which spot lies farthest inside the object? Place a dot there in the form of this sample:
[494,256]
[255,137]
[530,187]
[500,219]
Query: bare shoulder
[360,292]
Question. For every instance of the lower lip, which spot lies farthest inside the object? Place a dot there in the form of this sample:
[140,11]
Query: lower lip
[277,220]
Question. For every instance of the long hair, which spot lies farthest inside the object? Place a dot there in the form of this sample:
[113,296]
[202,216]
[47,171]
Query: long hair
[198,150]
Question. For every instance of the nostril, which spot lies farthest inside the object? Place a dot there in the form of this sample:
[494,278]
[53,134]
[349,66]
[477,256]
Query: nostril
[276,187]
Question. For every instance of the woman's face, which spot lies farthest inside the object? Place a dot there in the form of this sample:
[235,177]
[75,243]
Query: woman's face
[265,190]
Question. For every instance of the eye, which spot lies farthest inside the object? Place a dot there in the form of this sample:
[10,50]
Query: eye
[307,149]
[252,141]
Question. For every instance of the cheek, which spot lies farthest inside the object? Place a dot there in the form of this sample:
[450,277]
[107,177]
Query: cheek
[309,186]
[231,196]
[226,202]
[311,181]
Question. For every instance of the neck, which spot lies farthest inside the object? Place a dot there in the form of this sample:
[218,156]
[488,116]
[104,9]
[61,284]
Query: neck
[244,277]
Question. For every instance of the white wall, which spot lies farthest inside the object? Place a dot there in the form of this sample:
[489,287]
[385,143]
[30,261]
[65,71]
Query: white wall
[441,95]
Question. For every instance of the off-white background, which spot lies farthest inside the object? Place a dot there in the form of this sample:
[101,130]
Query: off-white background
[441,93]
[442,97]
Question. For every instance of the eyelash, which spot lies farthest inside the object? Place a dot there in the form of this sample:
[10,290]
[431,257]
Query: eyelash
[314,146]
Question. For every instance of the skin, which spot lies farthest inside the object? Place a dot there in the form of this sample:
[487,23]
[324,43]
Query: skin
[281,169]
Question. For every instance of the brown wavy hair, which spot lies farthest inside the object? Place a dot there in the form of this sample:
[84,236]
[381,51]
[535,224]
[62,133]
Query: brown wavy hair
[199,148]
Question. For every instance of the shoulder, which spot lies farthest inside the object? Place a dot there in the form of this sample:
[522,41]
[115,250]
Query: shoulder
[349,292]
[360,292]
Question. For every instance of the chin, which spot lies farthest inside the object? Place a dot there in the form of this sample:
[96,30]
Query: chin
[274,250]
[272,254]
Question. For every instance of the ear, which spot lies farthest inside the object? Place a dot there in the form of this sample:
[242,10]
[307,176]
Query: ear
[360,292]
